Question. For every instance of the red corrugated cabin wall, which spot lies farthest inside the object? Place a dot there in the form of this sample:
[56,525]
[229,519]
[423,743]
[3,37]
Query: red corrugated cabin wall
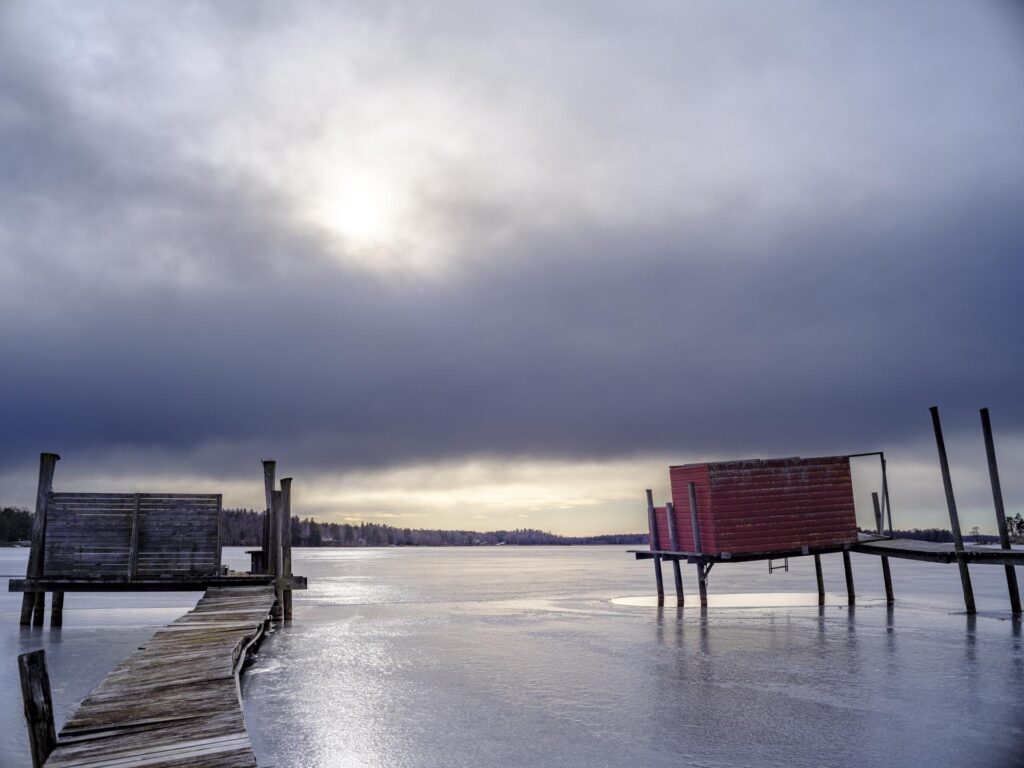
[680,476]
[763,506]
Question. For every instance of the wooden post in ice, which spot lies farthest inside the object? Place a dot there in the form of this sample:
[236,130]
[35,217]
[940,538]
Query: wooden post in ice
[702,586]
[886,575]
[954,518]
[276,555]
[851,595]
[997,500]
[652,525]
[33,604]
[286,541]
[885,495]
[821,579]
[35,695]
[677,574]
[57,611]
[269,471]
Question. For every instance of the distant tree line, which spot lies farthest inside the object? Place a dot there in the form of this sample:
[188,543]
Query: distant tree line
[244,527]
[15,524]
[1014,527]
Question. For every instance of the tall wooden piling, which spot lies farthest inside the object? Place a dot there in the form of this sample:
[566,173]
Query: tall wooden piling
[851,595]
[286,541]
[954,518]
[677,574]
[702,586]
[35,695]
[997,500]
[886,573]
[34,603]
[821,579]
[276,555]
[269,472]
[885,494]
[57,610]
[652,525]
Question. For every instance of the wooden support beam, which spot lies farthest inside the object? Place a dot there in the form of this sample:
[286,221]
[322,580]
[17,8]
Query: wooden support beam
[851,595]
[677,574]
[887,578]
[652,525]
[885,494]
[276,556]
[954,518]
[35,695]
[39,611]
[821,579]
[269,471]
[702,586]
[997,500]
[47,465]
[286,540]
[886,573]
[57,611]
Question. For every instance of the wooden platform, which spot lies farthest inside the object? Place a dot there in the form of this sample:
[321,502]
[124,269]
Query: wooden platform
[170,584]
[726,557]
[935,552]
[176,701]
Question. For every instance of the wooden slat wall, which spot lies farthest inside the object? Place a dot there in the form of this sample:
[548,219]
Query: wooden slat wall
[680,478]
[178,535]
[90,534]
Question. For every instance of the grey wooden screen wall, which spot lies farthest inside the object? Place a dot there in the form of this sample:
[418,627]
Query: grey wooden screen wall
[132,535]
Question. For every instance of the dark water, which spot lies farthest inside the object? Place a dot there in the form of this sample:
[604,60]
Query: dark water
[531,656]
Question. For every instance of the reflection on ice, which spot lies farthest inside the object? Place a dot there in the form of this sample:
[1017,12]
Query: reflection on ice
[744,600]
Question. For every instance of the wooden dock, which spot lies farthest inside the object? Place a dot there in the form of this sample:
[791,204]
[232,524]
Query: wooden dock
[939,552]
[176,701]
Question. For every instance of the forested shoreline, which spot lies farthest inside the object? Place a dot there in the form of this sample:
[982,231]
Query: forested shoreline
[243,527]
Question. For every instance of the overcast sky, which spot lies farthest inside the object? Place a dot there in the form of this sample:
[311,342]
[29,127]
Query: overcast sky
[487,265]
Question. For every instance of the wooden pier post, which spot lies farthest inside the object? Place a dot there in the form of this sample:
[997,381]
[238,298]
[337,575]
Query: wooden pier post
[57,611]
[702,586]
[677,574]
[954,518]
[885,495]
[35,602]
[652,525]
[997,500]
[269,471]
[821,579]
[851,595]
[276,555]
[286,541]
[35,695]
[886,574]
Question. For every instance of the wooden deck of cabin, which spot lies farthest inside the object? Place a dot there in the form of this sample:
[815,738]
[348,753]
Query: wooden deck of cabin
[176,701]
[882,546]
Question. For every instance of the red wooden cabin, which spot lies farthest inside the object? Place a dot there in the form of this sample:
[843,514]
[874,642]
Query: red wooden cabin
[762,505]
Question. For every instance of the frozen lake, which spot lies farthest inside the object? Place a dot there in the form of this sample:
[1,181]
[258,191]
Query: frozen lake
[549,656]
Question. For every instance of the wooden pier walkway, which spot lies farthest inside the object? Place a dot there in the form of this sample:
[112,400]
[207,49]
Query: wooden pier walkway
[938,552]
[176,701]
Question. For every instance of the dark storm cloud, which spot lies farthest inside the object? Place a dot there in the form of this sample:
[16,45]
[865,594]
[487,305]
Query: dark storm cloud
[152,303]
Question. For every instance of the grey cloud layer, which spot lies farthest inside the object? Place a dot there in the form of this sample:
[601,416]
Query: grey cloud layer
[740,236]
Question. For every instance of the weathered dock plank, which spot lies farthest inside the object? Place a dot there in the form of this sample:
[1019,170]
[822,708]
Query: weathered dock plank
[175,701]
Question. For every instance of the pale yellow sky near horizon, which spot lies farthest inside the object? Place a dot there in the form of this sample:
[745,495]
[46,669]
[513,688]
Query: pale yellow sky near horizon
[566,497]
